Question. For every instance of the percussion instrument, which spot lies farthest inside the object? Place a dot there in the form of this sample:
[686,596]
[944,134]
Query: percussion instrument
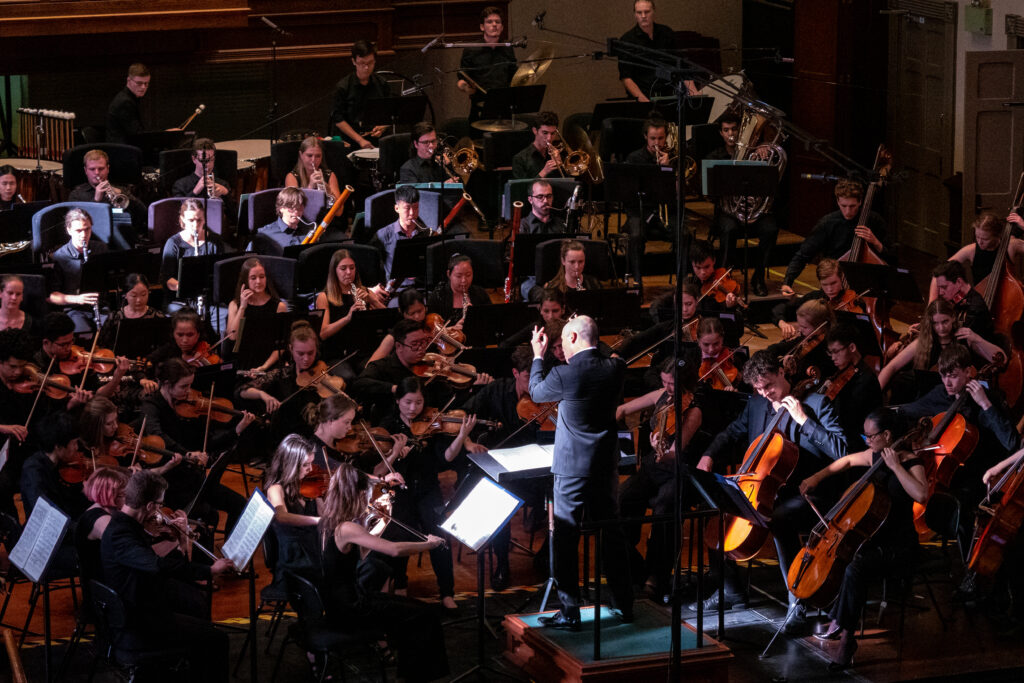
[47,128]
[365,159]
[534,66]
[253,163]
[38,180]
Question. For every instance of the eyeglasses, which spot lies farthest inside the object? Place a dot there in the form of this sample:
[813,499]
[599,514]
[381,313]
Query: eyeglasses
[867,437]
[422,344]
[427,142]
[542,196]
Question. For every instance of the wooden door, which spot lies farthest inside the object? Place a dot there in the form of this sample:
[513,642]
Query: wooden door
[922,50]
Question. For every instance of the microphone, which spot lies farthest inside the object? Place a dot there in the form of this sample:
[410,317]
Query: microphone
[520,43]
[823,177]
[200,109]
[571,204]
[431,44]
[779,59]
[274,26]
[539,19]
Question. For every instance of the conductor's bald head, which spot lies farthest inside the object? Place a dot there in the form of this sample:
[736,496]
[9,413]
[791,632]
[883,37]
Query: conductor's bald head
[578,334]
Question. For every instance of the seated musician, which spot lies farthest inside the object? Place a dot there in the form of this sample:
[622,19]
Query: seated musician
[8,188]
[855,381]
[423,165]
[192,240]
[12,293]
[552,307]
[421,503]
[938,329]
[351,94]
[702,262]
[412,304]
[952,284]
[541,220]
[640,82]
[720,367]
[124,115]
[728,228]
[489,67]
[97,188]
[452,297]
[66,276]
[253,292]
[814,319]
[40,475]
[540,159]
[312,173]
[653,153]
[813,426]
[105,490]
[343,295]
[98,433]
[187,341]
[289,229]
[570,275]
[834,233]
[1009,575]
[893,547]
[136,306]
[408,225]
[653,485]
[982,253]
[331,420]
[58,337]
[201,183]
[832,289]
[411,627]
[157,584]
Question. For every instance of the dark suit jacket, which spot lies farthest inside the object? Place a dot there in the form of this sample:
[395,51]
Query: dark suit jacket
[588,390]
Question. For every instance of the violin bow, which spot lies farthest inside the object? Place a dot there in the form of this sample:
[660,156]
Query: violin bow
[803,341]
[138,442]
[542,414]
[391,518]
[39,392]
[88,359]
[209,413]
[718,364]
[714,285]
[376,446]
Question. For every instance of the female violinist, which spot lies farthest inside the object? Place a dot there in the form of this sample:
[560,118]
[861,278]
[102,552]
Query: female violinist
[902,480]
[411,627]
[105,490]
[192,240]
[654,482]
[452,297]
[814,319]
[136,306]
[187,341]
[718,297]
[12,293]
[331,420]
[570,275]
[412,304]
[254,292]
[343,295]
[719,366]
[311,172]
[419,506]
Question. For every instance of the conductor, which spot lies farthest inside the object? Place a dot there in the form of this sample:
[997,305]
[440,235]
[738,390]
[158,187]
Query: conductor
[585,463]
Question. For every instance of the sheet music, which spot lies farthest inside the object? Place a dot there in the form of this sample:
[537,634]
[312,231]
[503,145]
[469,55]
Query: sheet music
[482,512]
[529,457]
[42,534]
[5,452]
[249,530]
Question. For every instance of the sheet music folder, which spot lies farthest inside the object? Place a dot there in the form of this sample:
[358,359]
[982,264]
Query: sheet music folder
[723,493]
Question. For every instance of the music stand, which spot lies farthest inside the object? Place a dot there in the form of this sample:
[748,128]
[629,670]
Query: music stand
[886,282]
[498,108]
[394,111]
[524,251]
[367,329]
[106,272]
[138,337]
[729,178]
[16,222]
[195,278]
[486,325]
[268,332]
[867,340]
[155,141]
[611,309]
[628,109]
[410,259]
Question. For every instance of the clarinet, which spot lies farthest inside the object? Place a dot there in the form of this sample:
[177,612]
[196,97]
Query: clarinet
[95,304]
[579,283]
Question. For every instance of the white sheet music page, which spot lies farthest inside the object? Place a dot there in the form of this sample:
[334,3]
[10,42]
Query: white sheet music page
[42,534]
[483,511]
[529,457]
[249,530]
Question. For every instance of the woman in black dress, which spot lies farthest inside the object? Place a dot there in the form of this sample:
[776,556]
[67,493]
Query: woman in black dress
[254,292]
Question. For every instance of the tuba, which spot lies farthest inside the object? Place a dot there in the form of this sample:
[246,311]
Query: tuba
[759,128]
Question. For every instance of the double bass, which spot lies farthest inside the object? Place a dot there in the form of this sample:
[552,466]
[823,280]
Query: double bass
[1004,521]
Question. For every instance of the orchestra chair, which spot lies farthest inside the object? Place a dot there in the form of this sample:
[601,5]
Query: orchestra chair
[119,651]
[517,191]
[284,155]
[706,139]
[177,163]
[48,231]
[261,209]
[314,633]
[273,597]
[620,137]
[599,260]
[163,218]
[125,164]
[313,263]
[394,151]
[501,146]
[84,616]
[280,271]
[488,256]
[35,301]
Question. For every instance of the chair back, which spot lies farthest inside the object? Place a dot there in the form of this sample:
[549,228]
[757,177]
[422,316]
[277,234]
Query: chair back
[125,164]
[108,610]
[163,217]
[262,207]
[501,146]
[48,225]
[394,151]
[280,271]
[619,137]
[304,598]
[177,163]
[599,259]
[313,263]
[379,209]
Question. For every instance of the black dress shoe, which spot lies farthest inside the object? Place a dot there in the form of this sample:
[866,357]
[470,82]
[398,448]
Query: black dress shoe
[711,604]
[847,648]
[560,620]
[759,288]
[500,579]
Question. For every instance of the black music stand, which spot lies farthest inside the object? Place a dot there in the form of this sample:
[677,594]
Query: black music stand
[394,111]
[628,109]
[138,337]
[502,104]
[729,178]
[106,272]
[887,282]
[611,309]
[195,278]
[410,259]
[486,325]
[16,222]
[645,187]
[155,141]
[524,251]
[260,333]
[367,329]
[867,340]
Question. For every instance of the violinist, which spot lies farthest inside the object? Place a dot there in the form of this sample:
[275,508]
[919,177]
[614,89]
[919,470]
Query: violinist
[570,275]
[719,366]
[813,426]
[832,289]
[136,306]
[331,420]
[187,341]
[952,284]
[99,436]
[833,235]
[412,304]
[343,295]
[853,389]
[702,262]
[157,584]
[420,505]
[12,293]
[981,254]
[58,346]
[894,546]
[411,627]
[253,292]
[451,298]
[1009,574]
[66,277]
[814,319]
[105,490]
[653,485]
[192,240]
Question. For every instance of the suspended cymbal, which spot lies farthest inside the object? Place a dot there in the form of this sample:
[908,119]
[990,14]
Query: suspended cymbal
[534,67]
[498,125]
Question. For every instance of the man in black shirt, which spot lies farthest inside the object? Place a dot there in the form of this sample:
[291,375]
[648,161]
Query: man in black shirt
[423,167]
[860,392]
[540,220]
[196,185]
[351,93]
[951,284]
[58,442]
[834,233]
[124,118]
[654,152]
[535,161]
[97,188]
[66,276]
[640,81]
[488,67]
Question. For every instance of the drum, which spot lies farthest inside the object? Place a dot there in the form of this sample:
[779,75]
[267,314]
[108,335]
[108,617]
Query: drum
[724,91]
[365,159]
[38,181]
[253,164]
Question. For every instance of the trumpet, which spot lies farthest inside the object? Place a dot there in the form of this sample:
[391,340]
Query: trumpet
[320,185]
[211,186]
[117,199]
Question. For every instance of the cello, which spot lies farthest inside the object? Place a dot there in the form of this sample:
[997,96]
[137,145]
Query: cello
[1003,525]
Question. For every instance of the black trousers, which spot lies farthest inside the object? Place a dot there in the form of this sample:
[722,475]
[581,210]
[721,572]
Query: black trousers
[599,496]
[653,486]
[870,562]
[729,230]
[423,511]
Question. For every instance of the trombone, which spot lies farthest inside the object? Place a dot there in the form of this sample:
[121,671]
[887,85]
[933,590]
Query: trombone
[461,161]
[572,162]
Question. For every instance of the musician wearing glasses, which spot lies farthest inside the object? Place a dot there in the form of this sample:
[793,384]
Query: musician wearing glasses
[641,82]
[351,94]
[124,116]
[488,67]
[202,182]
[540,159]
[423,166]
[541,220]
[8,188]
[289,228]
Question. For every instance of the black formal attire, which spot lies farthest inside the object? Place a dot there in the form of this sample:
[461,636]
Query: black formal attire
[531,224]
[280,382]
[109,334]
[163,606]
[40,477]
[184,187]
[585,467]
[664,38]
[976,315]
[90,561]
[384,240]
[441,300]
[176,248]
[14,410]
[831,238]
[983,263]
[417,170]
[373,387]
[858,397]
[124,117]
[640,225]
[350,98]
[529,162]
[66,277]
[122,238]
[490,68]
[298,547]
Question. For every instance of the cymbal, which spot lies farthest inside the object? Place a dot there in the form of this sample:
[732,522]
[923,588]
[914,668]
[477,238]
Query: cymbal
[536,64]
[498,125]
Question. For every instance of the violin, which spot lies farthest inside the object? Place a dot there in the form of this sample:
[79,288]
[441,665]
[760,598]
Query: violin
[833,386]
[449,340]
[203,355]
[848,301]
[100,361]
[378,513]
[720,372]
[151,448]
[174,525]
[57,386]
[790,362]
[433,421]
[358,441]
[720,285]
[81,467]
[665,426]
[544,414]
[440,366]
[319,377]
[314,485]
[195,405]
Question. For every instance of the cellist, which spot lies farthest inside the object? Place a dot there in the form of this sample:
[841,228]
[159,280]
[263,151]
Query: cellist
[903,481]
[981,254]
[813,426]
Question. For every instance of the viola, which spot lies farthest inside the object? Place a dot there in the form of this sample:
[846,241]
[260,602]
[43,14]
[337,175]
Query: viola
[195,405]
[544,414]
[151,448]
[79,468]
[1003,522]
[442,367]
[57,386]
[720,371]
[448,340]
[720,285]
[202,355]
[319,377]
[433,421]
[314,485]
[665,426]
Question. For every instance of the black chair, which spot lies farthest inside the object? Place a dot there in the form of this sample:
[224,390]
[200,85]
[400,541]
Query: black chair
[619,137]
[125,164]
[116,649]
[501,146]
[48,231]
[488,257]
[311,267]
[177,163]
[599,260]
[280,271]
[316,634]
[394,151]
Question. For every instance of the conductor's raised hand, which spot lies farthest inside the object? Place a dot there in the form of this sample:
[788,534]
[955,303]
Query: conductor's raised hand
[539,342]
